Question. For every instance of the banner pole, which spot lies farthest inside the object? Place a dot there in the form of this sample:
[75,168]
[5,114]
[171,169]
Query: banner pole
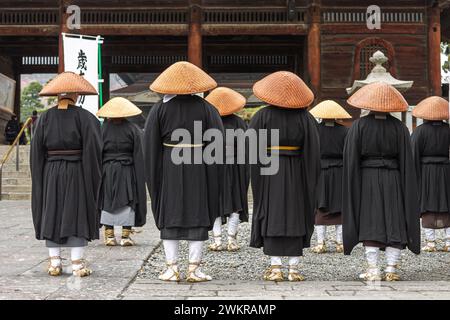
[100,87]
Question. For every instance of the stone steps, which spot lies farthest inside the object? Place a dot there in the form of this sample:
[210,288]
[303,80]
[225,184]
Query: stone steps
[16,195]
[16,185]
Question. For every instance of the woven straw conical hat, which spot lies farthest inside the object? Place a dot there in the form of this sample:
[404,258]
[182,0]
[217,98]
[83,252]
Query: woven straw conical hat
[183,78]
[68,82]
[284,89]
[118,108]
[226,100]
[432,108]
[378,96]
[329,109]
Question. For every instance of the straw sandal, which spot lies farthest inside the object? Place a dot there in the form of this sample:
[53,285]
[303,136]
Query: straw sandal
[57,270]
[126,241]
[171,274]
[273,273]
[372,274]
[195,274]
[110,239]
[339,247]
[232,243]
[217,244]
[320,248]
[429,247]
[82,271]
[294,275]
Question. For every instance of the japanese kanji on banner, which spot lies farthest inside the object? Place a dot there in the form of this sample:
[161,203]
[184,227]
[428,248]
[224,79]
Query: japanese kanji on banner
[81,55]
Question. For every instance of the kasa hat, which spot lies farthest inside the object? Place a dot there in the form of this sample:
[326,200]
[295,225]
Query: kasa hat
[329,109]
[284,89]
[68,82]
[118,108]
[378,96]
[226,100]
[183,78]
[432,108]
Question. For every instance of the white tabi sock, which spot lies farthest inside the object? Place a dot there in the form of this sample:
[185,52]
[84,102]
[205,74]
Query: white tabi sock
[217,227]
[430,234]
[372,254]
[447,236]
[195,251]
[339,233]
[392,258]
[171,250]
[76,253]
[233,224]
[294,261]
[275,261]
[54,252]
[321,233]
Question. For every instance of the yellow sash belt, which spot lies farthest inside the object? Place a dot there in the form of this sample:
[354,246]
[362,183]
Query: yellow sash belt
[183,145]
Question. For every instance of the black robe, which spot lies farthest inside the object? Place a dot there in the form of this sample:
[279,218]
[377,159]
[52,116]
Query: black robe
[430,144]
[237,176]
[65,187]
[123,181]
[329,188]
[380,200]
[186,198]
[283,210]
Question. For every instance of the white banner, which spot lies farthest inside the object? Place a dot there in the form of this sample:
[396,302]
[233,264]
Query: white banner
[81,57]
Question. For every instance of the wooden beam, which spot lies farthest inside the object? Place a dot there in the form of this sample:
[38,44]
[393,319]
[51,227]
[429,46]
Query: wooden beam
[314,48]
[434,49]
[195,34]
[21,30]
[135,30]
[346,28]
[254,29]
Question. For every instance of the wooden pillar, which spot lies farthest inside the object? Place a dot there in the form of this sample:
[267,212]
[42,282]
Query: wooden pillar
[17,65]
[195,33]
[314,48]
[434,49]
[63,4]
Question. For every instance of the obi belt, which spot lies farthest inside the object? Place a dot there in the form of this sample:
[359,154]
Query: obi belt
[68,155]
[387,162]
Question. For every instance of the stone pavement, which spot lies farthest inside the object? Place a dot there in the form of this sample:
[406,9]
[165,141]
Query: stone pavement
[23,274]
[23,262]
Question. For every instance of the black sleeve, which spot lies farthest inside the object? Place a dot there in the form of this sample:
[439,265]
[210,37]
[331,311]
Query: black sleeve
[411,195]
[37,162]
[351,188]
[138,160]
[153,153]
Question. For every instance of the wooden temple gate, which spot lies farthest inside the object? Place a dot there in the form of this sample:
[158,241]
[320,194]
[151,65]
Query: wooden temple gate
[326,45]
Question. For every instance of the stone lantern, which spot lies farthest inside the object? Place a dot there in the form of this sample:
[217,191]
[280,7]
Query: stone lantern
[380,74]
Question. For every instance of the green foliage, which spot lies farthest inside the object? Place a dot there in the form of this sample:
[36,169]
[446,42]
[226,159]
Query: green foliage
[30,100]
[445,49]
[247,113]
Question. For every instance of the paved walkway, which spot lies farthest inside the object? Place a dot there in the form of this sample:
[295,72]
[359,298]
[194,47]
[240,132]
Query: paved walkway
[23,262]
[23,275]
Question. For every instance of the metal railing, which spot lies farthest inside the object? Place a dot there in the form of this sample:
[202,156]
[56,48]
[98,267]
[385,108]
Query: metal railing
[8,153]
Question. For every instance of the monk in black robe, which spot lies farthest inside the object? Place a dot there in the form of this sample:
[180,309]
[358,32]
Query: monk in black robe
[186,192]
[283,209]
[237,173]
[329,189]
[431,143]
[122,198]
[380,204]
[66,173]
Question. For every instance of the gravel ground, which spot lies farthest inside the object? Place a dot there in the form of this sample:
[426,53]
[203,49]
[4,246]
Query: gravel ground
[249,263]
